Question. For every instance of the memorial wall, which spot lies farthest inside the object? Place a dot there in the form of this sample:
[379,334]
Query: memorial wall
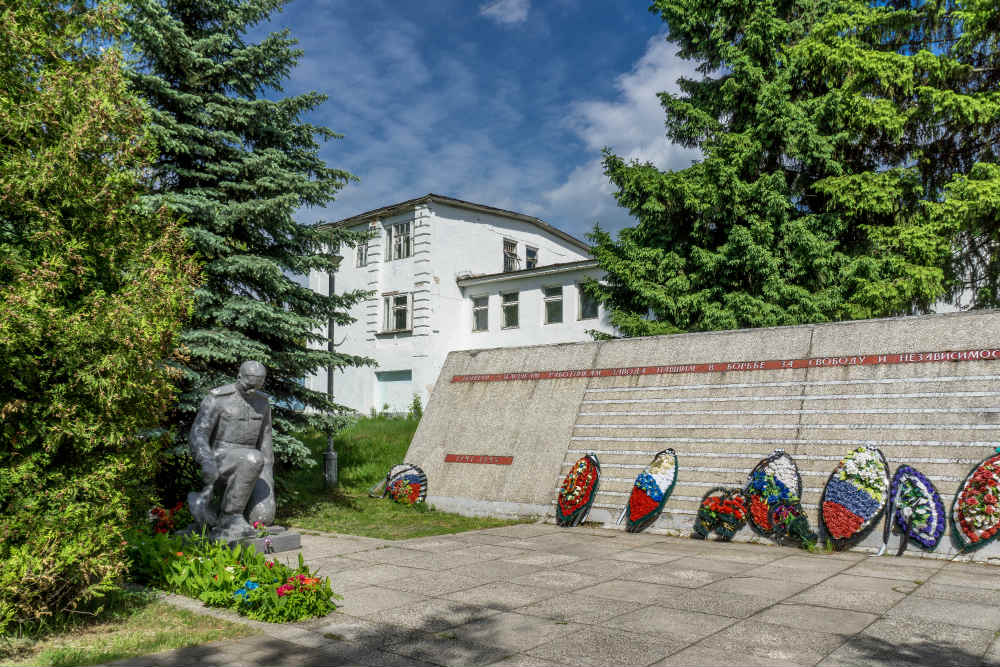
[503,426]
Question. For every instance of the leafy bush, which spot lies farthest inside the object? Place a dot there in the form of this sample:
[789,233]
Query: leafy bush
[416,408]
[240,578]
[93,291]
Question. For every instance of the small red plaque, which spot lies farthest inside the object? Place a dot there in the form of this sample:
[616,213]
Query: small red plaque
[479,458]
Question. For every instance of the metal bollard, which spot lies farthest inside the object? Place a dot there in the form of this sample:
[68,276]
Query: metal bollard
[330,466]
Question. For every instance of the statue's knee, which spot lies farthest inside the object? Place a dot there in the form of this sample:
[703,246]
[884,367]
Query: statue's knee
[255,459]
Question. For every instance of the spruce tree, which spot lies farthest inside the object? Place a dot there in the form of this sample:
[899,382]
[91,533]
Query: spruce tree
[236,162]
[845,147]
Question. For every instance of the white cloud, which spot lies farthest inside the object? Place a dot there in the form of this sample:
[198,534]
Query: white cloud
[506,11]
[632,125]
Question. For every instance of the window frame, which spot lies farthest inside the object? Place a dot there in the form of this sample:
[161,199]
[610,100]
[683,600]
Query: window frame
[582,295]
[547,299]
[510,258]
[533,262]
[504,305]
[390,307]
[400,240]
[361,255]
[481,309]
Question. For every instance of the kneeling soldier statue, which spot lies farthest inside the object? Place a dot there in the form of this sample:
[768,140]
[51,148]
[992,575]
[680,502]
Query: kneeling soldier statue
[231,441]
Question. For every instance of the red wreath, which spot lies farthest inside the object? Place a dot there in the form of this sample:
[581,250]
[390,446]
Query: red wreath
[582,483]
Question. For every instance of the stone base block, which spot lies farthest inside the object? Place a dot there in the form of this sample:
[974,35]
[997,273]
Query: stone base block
[279,538]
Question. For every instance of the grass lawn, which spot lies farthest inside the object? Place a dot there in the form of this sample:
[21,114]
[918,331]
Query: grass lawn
[365,453]
[135,624]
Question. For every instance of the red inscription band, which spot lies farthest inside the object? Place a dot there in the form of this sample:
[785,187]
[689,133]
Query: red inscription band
[990,354]
[478,458]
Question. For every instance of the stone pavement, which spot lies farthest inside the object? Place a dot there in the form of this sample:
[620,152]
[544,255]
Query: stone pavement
[536,594]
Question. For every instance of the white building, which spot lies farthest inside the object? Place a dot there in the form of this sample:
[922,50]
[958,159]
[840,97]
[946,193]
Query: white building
[452,275]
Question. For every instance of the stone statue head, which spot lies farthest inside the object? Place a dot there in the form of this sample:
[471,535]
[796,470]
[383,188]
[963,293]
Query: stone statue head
[251,377]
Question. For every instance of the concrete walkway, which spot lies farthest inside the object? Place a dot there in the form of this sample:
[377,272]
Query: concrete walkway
[536,594]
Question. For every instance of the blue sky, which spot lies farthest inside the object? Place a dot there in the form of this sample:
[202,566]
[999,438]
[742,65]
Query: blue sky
[506,103]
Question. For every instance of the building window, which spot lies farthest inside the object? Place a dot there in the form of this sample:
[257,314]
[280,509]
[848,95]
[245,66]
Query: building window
[362,254]
[511,262]
[398,312]
[530,257]
[480,313]
[400,240]
[588,305]
[510,304]
[553,304]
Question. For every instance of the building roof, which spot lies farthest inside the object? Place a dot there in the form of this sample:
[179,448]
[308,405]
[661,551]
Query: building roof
[393,209]
[563,267]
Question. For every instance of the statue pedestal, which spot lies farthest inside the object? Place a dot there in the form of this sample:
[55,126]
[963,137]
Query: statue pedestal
[277,540]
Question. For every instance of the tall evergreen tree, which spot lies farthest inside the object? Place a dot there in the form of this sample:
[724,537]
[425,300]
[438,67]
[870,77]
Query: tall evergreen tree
[845,146]
[236,165]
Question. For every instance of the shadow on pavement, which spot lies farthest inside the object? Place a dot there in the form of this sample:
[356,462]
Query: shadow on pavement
[868,650]
[344,640]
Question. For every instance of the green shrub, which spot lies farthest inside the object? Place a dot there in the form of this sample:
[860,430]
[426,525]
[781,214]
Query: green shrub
[94,290]
[240,578]
[416,408]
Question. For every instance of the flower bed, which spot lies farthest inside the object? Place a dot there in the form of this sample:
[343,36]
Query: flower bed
[577,492]
[235,578]
[975,514]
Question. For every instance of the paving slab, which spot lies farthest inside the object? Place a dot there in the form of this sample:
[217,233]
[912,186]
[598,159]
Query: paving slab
[733,605]
[794,568]
[819,619]
[488,572]
[362,601]
[776,642]
[645,557]
[562,580]
[674,574]
[504,596]
[606,646]
[937,591]
[867,594]
[972,614]
[515,632]
[974,576]
[446,649]
[576,608]
[432,584]
[544,559]
[700,654]
[908,642]
[774,589]
[879,567]
[630,591]
[603,569]
[675,624]
[430,616]
[366,575]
